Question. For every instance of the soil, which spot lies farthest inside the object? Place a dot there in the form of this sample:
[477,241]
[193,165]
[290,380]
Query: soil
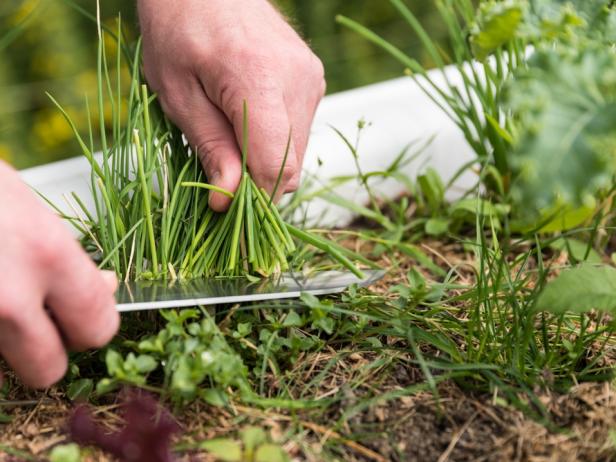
[457,427]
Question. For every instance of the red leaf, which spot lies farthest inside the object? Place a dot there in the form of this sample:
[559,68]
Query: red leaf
[146,436]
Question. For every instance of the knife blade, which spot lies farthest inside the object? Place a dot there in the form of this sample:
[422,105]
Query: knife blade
[152,295]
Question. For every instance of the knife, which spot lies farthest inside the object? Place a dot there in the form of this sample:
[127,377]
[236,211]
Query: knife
[153,295]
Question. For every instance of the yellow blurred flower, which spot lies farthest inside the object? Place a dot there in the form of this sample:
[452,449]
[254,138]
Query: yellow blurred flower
[86,82]
[44,64]
[23,11]
[50,129]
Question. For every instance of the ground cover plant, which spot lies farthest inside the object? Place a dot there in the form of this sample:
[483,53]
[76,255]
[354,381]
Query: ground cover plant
[491,338]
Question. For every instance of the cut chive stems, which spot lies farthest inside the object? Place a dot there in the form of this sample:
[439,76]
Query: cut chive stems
[145,191]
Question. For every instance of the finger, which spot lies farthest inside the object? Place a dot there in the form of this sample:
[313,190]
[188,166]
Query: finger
[268,133]
[300,117]
[31,345]
[209,132]
[302,106]
[81,299]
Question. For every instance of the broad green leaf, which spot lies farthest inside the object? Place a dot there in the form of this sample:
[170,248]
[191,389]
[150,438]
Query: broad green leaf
[114,362]
[182,380]
[327,324]
[146,363]
[271,453]
[577,250]
[65,453]
[252,437]
[215,397]
[579,290]
[570,218]
[560,217]
[80,389]
[293,320]
[498,23]
[565,150]
[224,449]
[596,17]
[437,226]
[243,329]
[106,385]
[309,299]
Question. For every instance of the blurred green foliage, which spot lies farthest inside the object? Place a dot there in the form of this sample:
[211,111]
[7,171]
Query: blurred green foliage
[54,51]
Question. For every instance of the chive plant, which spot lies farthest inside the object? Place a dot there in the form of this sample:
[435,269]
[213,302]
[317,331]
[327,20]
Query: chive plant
[152,218]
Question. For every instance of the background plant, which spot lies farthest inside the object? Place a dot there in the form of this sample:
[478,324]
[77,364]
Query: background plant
[502,96]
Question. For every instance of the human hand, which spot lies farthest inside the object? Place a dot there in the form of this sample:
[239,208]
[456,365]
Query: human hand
[52,296]
[204,58]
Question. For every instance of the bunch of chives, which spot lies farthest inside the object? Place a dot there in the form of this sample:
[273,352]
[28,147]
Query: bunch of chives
[152,218]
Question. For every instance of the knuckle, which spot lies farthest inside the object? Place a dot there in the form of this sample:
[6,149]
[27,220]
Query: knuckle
[288,173]
[250,56]
[271,173]
[195,48]
[268,83]
[169,101]
[306,61]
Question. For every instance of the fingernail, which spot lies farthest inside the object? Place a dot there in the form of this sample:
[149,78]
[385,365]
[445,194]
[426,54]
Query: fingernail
[110,279]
